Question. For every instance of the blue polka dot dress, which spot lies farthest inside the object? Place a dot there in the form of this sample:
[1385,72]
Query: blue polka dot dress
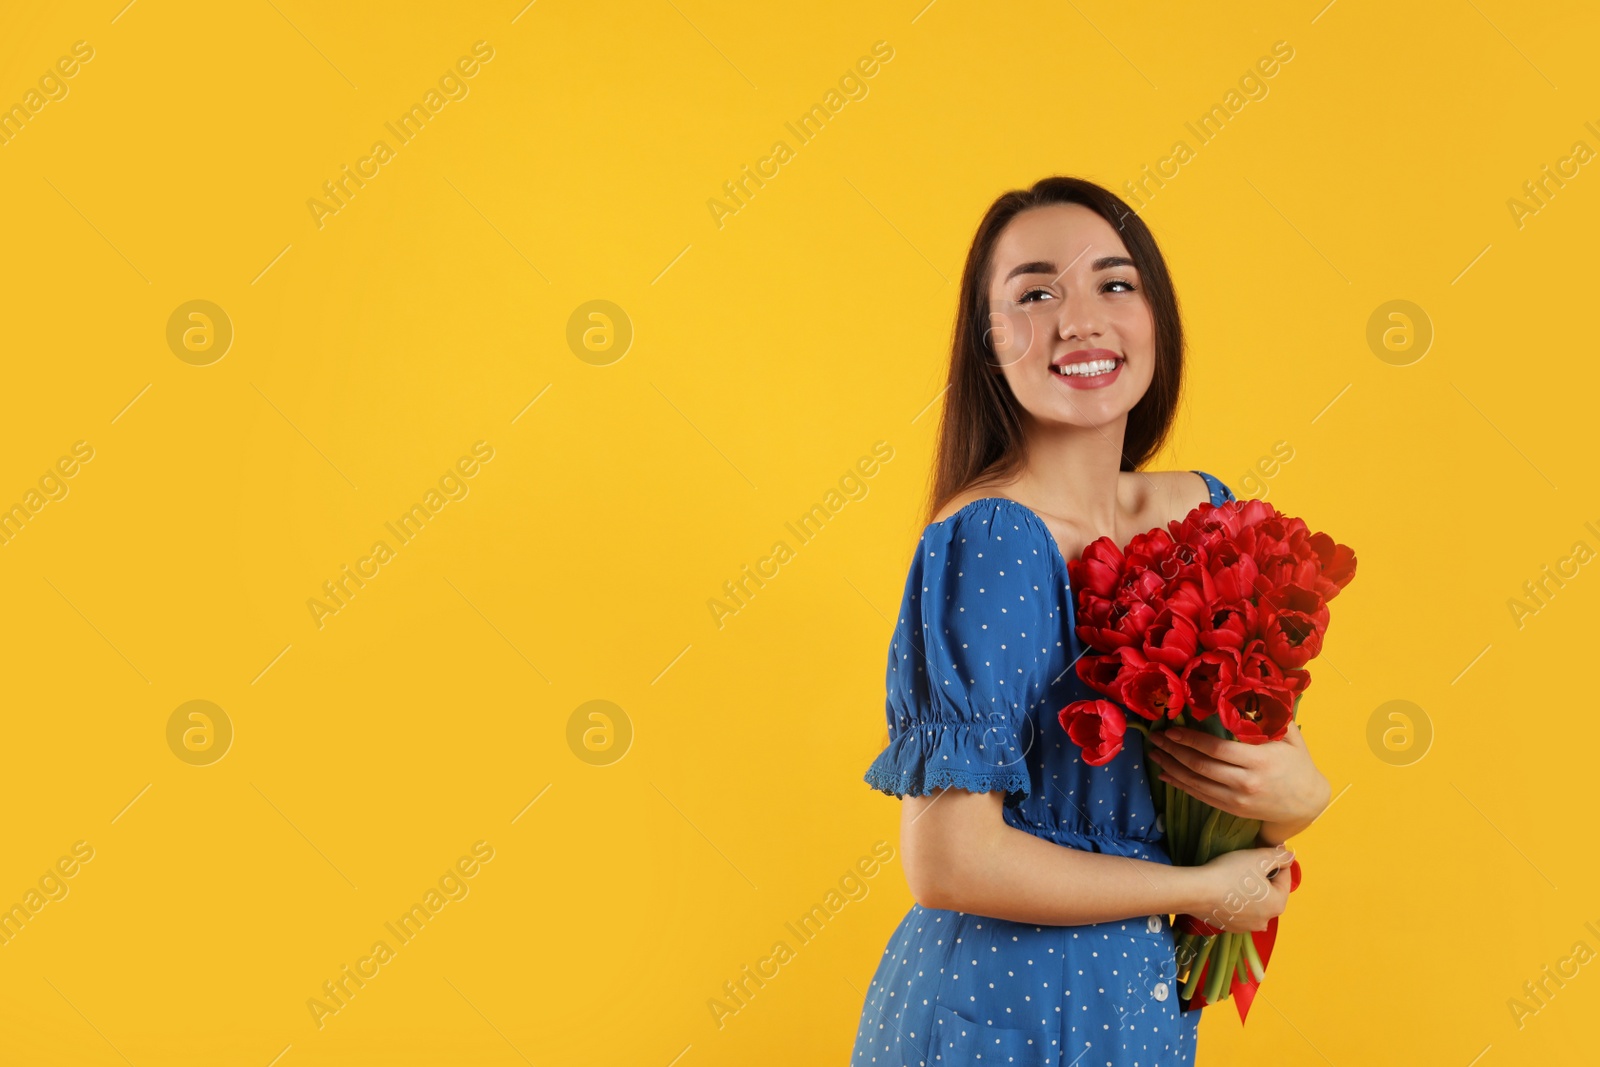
[979,665]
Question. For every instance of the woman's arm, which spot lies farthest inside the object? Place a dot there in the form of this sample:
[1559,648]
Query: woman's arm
[961,855]
[1275,782]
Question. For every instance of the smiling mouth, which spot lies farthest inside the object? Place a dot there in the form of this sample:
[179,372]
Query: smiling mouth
[1089,368]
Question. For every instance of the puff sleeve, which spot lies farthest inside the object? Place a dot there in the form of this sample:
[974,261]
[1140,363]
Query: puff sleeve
[980,625]
[1220,493]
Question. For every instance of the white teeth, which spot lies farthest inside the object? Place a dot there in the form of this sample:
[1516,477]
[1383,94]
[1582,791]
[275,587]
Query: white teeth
[1086,370]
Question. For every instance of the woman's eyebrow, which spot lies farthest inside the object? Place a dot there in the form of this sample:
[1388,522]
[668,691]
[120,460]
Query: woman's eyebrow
[1040,266]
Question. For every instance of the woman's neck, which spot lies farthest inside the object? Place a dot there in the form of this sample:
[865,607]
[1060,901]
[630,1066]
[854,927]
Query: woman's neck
[1075,473]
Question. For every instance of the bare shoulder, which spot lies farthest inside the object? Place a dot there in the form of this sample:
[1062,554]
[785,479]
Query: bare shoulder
[1171,494]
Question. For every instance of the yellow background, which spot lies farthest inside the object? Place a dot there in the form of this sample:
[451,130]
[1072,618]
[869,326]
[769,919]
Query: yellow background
[768,355]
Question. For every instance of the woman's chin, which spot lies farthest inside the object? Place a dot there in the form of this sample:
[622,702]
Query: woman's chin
[1080,410]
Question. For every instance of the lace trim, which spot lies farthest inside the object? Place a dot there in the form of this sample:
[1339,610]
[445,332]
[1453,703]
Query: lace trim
[916,783]
[980,756]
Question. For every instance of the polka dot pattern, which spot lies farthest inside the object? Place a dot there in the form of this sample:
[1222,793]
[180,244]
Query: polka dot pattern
[979,665]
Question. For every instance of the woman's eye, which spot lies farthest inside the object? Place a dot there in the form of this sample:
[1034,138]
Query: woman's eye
[1025,297]
[1119,281]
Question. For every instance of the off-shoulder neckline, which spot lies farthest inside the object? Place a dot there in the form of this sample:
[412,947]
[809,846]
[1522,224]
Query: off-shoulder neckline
[985,500]
[1035,516]
[1026,510]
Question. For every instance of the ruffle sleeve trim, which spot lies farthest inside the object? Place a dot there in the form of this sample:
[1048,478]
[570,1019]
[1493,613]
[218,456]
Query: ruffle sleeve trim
[978,757]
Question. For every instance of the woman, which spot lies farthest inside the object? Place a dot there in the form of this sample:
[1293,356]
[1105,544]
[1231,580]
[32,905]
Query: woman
[1041,932]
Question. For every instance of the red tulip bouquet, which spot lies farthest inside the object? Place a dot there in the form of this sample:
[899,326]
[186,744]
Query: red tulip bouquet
[1206,624]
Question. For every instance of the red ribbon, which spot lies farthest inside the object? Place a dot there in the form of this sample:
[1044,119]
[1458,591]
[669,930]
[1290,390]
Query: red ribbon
[1242,992]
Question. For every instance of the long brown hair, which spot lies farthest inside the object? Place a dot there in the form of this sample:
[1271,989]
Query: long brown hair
[980,425]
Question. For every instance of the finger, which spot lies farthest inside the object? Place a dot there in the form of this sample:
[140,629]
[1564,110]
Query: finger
[1275,859]
[1224,774]
[1173,770]
[1200,788]
[1217,748]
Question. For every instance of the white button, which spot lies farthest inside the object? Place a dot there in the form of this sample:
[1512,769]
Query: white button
[1160,991]
[1160,824]
[1153,924]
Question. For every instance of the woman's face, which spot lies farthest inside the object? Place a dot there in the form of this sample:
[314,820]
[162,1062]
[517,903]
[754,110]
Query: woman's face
[1064,294]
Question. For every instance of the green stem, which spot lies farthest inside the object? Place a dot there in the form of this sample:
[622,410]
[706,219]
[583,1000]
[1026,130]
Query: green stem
[1206,947]
[1175,841]
[1176,801]
[1186,807]
[1188,949]
[1220,966]
[1257,968]
[1208,833]
[1234,957]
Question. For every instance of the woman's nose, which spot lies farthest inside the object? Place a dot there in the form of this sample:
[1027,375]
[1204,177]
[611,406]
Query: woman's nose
[1078,317]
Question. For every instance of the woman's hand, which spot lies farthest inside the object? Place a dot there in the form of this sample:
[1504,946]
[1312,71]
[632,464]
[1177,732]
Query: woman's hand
[1275,782]
[1247,888]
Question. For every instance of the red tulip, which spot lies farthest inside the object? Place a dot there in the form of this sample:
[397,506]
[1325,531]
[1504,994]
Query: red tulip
[1106,672]
[1208,523]
[1206,674]
[1255,512]
[1233,574]
[1147,550]
[1258,665]
[1106,624]
[1155,691]
[1293,621]
[1171,639]
[1142,585]
[1099,568]
[1338,564]
[1255,713]
[1097,727]
[1191,591]
[1228,625]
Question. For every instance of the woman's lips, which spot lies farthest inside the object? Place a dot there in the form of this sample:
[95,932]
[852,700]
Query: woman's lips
[1098,379]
